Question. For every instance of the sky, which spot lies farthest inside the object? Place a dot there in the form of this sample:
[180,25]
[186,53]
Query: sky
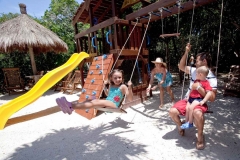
[35,8]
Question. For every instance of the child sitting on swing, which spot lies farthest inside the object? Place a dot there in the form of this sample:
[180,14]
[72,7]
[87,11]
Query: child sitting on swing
[115,93]
[195,98]
[164,78]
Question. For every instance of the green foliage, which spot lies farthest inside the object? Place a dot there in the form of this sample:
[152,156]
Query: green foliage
[204,35]
[58,19]
[5,17]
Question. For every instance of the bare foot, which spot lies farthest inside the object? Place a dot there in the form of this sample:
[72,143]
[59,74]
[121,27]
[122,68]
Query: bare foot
[153,88]
[181,131]
[161,106]
[200,145]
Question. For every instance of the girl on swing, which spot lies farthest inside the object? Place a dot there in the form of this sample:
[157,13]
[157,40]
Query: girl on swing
[115,95]
[164,78]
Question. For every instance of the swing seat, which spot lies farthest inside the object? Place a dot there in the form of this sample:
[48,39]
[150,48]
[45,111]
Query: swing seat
[209,111]
[169,35]
[115,110]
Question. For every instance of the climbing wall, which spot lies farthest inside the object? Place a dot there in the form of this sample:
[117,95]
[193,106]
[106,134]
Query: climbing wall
[93,85]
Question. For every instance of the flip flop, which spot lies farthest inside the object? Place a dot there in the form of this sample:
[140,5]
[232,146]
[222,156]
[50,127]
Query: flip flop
[199,145]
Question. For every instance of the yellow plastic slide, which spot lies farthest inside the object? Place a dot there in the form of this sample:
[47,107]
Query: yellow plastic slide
[45,83]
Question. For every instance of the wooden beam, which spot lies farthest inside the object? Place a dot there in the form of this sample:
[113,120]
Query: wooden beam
[125,52]
[94,9]
[104,14]
[113,8]
[97,27]
[150,8]
[87,4]
[78,14]
[128,3]
[126,23]
[174,10]
[169,35]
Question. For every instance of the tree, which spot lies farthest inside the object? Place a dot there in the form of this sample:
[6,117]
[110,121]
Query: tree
[59,19]
[6,17]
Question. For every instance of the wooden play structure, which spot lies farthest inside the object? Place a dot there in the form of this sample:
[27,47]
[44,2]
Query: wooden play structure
[121,39]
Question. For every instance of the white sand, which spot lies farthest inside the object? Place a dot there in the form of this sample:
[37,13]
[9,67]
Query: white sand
[40,131]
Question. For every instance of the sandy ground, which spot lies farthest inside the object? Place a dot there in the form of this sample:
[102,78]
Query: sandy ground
[40,131]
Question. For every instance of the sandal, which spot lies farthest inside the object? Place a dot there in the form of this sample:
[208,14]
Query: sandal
[186,125]
[200,145]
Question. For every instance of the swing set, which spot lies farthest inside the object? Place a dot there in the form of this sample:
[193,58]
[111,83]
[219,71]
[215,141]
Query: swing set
[130,36]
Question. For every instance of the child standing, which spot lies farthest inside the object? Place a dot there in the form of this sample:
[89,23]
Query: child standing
[115,95]
[195,98]
[164,79]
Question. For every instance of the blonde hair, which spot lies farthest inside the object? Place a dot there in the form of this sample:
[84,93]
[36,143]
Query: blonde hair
[203,69]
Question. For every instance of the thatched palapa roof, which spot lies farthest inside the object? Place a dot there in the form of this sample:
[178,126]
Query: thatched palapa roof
[21,32]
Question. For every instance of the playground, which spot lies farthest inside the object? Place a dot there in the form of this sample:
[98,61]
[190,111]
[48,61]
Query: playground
[32,126]
[41,131]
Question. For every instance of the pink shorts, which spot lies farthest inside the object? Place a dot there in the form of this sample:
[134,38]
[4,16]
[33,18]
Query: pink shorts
[181,107]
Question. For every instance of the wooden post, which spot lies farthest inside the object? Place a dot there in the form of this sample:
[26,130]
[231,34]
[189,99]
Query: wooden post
[120,35]
[116,46]
[103,41]
[34,69]
[110,37]
[76,40]
[131,37]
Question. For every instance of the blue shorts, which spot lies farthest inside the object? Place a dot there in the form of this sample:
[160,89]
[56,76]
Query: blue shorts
[190,99]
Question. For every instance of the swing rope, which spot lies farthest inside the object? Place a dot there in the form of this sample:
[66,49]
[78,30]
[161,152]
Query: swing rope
[219,38]
[194,4]
[124,45]
[138,52]
[190,34]
[179,6]
[136,58]
[120,53]
[141,45]
[161,10]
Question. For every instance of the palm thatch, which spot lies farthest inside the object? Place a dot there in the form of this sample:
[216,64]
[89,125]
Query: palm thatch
[25,34]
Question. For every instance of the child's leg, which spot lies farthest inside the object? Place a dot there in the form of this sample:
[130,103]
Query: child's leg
[187,112]
[189,116]
[96,103]
[169,90]
[154,87]
[194,104]
[161,96]
[67,107]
